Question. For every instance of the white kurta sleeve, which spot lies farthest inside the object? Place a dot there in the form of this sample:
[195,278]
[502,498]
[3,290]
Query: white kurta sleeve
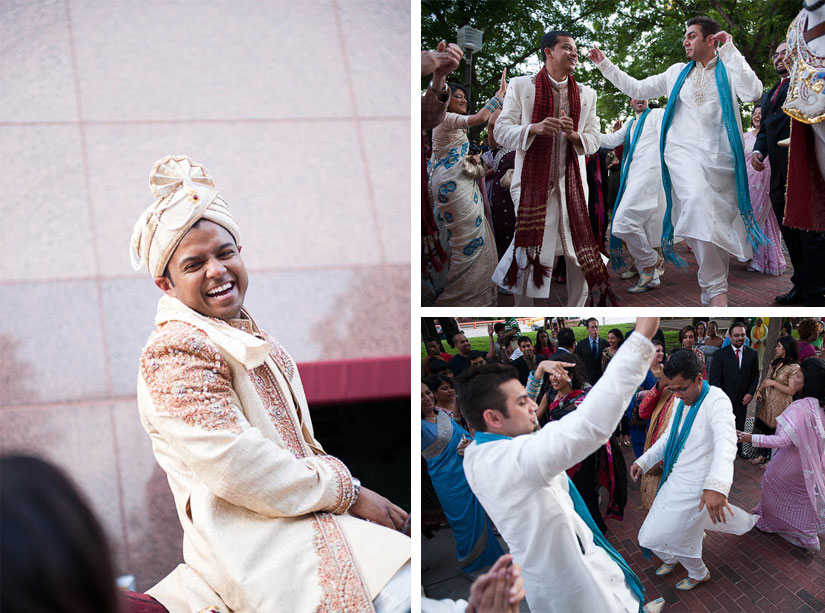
[656,453]
[508,130]
[611,141]
[589,131]
[748,86]
[723,424]
[651,87]
[196,412]
[561,444]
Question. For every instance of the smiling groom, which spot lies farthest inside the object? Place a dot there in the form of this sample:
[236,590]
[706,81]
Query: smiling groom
[270,521]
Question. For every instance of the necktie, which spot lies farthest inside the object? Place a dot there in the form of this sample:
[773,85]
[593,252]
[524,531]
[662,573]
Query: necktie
[595,348]
[776,93]
[738,359]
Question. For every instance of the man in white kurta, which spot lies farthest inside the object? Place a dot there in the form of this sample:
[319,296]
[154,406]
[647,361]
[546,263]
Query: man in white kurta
[270,521]
[698,153]
[694,496]
[638,220]
[520,479]
[514,131]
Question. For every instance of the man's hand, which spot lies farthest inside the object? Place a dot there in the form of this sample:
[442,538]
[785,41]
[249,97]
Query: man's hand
[442,61]
[722,37]
[552,367]
[757,161]
[716,504]
[490,330]
[500,590]
[546,127]
[377,509]
[647,326]
[596,55]
[635,472]
[617,126]
[746,399]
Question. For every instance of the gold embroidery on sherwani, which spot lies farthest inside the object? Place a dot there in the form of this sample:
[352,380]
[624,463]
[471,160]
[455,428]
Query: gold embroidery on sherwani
[187,377]
[343,588]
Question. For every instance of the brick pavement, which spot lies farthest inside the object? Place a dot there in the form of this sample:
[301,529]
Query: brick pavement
[680,288]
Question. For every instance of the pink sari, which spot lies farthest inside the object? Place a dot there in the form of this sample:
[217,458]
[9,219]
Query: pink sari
[793,488]
[767,259]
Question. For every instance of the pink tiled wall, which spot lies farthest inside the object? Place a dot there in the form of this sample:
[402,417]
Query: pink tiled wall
[299,110]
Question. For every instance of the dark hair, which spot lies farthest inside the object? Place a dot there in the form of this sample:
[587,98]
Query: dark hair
[576,372]
[498,327]
[436,381]
[806,330]
[435,340]
[703,324]
[475,353]
[813,371]
[618,334]
[480,389]
[538,336]
[738,324]
[437,365]
[454,86]
[709,26]
[661,343]
[549,40]
[791,351]
[54,552]
[682,362]
[589,319]
[684,331]
[566,338]
[521,339]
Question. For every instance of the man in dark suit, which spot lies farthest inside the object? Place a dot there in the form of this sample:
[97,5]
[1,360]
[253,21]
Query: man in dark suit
[566,340]
[590,351]
[735,369]
[528,360]
[806,248]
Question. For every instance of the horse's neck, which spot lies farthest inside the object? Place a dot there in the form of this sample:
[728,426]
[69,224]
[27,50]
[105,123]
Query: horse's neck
[814,19]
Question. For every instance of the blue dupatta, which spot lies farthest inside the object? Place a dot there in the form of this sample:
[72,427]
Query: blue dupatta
[616,255]
[676,441]
[755,234]
[633,582]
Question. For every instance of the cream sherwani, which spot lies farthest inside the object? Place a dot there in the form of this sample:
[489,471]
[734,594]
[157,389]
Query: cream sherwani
[522,484]
[638,220]
[512,131]
[674,525]
[700,159]
[263,509]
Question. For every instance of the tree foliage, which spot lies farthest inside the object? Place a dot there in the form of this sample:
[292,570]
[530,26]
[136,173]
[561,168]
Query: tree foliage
[643,37]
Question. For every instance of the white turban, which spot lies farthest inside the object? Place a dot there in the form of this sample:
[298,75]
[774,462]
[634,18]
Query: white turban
[185,194]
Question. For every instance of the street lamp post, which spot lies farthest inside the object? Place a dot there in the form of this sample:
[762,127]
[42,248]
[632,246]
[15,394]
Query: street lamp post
[469,40]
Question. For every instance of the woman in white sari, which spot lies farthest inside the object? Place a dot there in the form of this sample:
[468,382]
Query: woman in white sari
[460,206]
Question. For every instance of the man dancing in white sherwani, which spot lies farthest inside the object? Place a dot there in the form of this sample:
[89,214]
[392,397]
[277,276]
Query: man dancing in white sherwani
[698,449]
[550,120]
[703,163]
[640,203]
[518,475]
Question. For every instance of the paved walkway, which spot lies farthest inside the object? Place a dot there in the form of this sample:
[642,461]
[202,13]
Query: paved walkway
[680,288]
[754,572]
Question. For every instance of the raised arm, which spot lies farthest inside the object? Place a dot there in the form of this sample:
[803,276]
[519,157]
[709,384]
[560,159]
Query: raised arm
[747,85]
[561,444]
[651,87]
[611,141]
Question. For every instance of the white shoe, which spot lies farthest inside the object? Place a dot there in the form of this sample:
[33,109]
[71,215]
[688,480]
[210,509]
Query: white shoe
[656,281]
[628,274]
[654,606]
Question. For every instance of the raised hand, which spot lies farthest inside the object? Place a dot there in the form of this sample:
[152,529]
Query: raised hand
[721,37]
[448,58]
[502,86]
[617,126]
[647,326]
[596,55]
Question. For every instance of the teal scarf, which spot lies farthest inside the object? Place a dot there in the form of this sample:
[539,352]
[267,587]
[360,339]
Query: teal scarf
[676,441]
[616,256]
[633,581]
[755,234]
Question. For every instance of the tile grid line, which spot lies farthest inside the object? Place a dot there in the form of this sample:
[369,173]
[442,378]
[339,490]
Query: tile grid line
[98,283]
[359,133]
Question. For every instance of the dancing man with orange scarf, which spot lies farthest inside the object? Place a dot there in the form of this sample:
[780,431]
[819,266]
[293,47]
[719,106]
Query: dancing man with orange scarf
[550,120]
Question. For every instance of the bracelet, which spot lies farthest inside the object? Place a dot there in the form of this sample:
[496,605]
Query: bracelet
[533,386]
[493,104]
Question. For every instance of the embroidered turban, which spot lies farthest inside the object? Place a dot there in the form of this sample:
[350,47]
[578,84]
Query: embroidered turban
[185,194]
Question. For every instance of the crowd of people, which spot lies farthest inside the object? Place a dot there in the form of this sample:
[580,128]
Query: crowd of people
[547,197]
[669,399]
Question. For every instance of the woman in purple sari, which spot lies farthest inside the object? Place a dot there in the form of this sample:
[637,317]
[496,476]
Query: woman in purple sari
[793,488]
[767,259]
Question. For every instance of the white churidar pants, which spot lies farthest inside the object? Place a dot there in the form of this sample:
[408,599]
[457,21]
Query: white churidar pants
[695,567]
[713,268]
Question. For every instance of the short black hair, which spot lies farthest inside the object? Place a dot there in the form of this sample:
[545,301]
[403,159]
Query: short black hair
[813,371]
[566,338]
[738,324]
[498,326]
[438,365]
[589,319]
[549,40]
[475,353]
[709,26]
[682,362]
[436,381]
[455,86]
[479,389]
[576,371]
[521,339]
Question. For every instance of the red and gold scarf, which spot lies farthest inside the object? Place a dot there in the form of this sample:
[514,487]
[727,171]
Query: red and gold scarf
[535,186]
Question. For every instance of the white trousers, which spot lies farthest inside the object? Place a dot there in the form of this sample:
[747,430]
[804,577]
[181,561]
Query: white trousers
[639,247]
[695,567]
[713,268]
[576,288]
[395,597]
